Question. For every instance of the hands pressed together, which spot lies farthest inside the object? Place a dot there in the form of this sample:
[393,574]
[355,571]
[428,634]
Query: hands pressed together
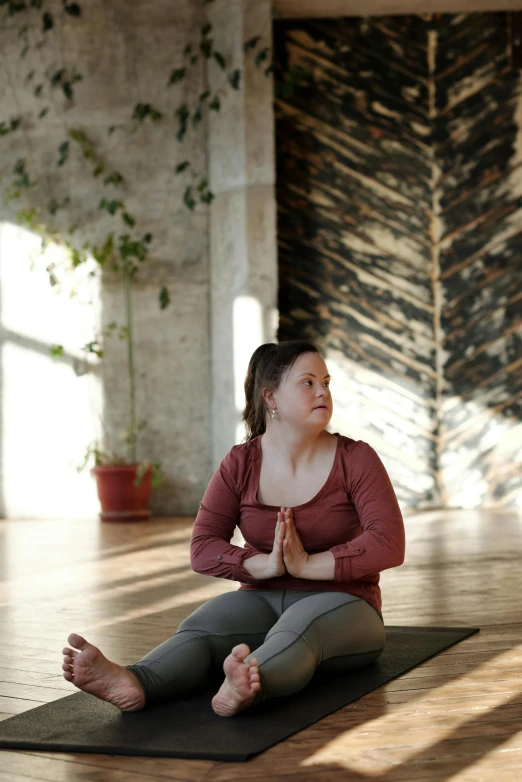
[288,554]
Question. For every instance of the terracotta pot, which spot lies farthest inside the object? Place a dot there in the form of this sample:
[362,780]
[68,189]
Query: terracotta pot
[119,499]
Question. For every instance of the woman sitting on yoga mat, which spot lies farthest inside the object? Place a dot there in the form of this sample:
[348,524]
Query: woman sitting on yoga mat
[320,520]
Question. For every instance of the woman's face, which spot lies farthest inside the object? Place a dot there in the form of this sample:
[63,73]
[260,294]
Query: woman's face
[303,398]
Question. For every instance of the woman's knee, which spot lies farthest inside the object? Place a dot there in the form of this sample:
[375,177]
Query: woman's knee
[240,612]
[286,670]
[336,625]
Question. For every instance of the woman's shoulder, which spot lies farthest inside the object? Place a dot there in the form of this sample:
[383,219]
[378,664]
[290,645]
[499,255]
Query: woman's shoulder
[358,449]
[347,444]
[239,455]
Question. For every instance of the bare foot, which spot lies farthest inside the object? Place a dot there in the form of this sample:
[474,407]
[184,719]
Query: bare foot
[241,683]
[92,672]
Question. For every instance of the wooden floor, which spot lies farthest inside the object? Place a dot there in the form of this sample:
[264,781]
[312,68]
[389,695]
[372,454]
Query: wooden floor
[126,587]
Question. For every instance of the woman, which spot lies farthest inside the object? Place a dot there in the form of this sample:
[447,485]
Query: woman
[320,520]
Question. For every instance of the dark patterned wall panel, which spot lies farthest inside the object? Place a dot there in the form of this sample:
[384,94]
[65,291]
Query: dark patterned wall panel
[399,220]
[480,195]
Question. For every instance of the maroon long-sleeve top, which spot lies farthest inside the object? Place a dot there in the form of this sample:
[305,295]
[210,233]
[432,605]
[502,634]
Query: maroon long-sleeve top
[355,515]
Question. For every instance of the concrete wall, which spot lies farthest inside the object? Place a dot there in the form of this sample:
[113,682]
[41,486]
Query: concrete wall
[126,53]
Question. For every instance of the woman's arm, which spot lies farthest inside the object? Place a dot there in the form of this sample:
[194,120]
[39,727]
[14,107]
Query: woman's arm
[382,542]
[211,552]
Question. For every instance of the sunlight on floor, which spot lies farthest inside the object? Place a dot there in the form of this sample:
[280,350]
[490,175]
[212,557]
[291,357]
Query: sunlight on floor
[355,748]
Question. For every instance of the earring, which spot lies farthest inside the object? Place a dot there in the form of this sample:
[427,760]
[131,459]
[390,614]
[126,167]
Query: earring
[273,413]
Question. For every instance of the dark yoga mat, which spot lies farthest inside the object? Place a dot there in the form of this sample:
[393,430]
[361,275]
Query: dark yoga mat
[189,728]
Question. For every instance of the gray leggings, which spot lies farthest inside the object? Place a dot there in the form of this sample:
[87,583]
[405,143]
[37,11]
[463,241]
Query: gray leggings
[291,632]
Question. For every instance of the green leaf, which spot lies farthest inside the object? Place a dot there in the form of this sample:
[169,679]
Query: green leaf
[182,166]
[129,219]
[194,59]
[216,104]
[206,47]
[57,77]
[234,79]
[48,22]
[105,252]
[113,179]
[23,182]
[202,185]
[144,110]
[187,49]
[164,298]
[188,198]
[207,197]
[15,7]
[43,113]
[93,347]
[73,9]
[67,90]
[220,59]
[56,351]
[251,43]
[206,29]
[261,56]
[197,116]
[14,123]
[182,113]
[63,149]
[38,91]
[177,75]
[111,206]
[204,95]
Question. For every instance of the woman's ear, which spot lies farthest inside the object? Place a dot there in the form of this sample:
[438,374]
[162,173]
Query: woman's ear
[268,397]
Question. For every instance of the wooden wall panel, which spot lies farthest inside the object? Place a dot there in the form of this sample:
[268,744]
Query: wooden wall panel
[395,201]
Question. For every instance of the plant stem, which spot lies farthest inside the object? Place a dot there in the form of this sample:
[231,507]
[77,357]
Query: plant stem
[130,356]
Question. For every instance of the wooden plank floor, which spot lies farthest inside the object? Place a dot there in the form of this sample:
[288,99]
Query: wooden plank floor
[126,588]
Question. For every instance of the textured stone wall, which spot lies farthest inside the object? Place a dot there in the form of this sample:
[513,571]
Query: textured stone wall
[398,226]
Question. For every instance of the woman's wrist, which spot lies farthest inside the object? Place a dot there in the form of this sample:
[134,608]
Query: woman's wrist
[257,566]
[319,567]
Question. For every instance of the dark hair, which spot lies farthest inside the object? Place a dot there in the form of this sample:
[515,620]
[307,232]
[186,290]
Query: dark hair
[266,368]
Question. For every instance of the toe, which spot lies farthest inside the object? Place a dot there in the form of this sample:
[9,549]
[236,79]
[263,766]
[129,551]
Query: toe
[240,651]
[77,641]
[68,660]
[70,652]
[68,675]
